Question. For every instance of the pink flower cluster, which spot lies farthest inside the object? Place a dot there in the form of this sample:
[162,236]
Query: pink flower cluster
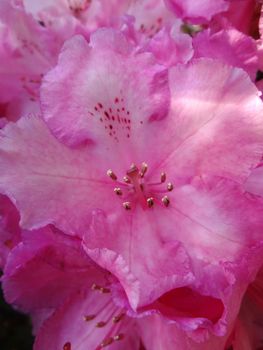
[131,172]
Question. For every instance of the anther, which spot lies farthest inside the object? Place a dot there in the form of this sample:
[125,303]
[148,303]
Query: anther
[170,186]
[95,287]
[118,337]
[107,342]
[143,169]
[111,174]
[150,202]
[127,205]
[118,191]
[89,318]
[104,290]
[118,318]
[166,201]
[67,346]
[101,324]
[163,177]
[126,179]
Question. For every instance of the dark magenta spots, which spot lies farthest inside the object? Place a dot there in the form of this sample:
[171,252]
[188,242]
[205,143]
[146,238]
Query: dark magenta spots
[111,127]
[100,105]
[116,100]
[107,114]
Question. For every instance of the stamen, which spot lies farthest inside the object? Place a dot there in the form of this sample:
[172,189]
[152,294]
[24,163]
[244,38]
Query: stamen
[127,205]
[101,324]
[126,180]
[118,337]
[166,201]
[107,342]
[150,202]
[89,318]
[104,290]
[163,177]
[170,186]
[111,174]
[118,318]
[95,287]
[118,191]
[133,170]
[67,346]
[143,169]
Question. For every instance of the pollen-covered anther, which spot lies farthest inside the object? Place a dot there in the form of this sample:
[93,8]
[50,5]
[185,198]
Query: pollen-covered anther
[118,318]
[170,186]
[89,318]
[67,346]
[127,205]
[126,180]
[118,337]
[150,202]
[104,290]
[111,174]
[107,342]
[118,191]
[143,169]
[163,177]
[166,201]
[95,287]
[101,324]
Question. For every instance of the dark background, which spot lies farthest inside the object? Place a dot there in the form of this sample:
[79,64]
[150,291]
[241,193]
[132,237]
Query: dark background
[15,329]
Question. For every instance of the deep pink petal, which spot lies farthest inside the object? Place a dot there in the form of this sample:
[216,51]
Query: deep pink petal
[158,334]
[197,11]
[230,46]
[254,183]
[45,269]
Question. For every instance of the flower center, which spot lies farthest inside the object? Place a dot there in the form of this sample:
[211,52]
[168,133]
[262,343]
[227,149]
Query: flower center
[135,188]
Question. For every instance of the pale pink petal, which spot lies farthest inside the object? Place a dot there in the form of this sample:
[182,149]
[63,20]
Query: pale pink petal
[112,92]
[67,329]
[230,46]
[198,10]
[45,269]
[48,182]
[217,115]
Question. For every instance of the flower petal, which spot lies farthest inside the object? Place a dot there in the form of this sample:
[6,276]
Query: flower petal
[197,11]
[48,182]
[111,93]
[215,124]
[45,269]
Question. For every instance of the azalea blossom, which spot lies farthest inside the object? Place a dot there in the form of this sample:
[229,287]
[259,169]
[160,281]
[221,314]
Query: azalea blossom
[75,304]
[143,164]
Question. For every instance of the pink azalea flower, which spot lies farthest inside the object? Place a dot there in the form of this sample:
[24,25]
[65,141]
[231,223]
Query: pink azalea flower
[77,305]
[121,113]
